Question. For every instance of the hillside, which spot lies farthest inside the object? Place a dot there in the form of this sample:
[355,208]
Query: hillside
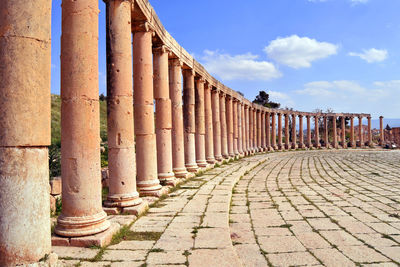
[56,120]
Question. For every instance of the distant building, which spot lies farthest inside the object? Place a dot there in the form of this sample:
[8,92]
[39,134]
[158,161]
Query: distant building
[393,135]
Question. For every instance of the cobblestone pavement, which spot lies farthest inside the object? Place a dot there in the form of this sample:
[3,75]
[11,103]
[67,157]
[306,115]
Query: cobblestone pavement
[314,208]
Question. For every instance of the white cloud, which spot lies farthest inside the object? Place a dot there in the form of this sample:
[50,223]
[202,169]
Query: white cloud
[299,52]
[239,67]
[284,99]
[371,55]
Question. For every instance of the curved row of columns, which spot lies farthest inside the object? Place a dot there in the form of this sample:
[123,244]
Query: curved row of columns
[193,124]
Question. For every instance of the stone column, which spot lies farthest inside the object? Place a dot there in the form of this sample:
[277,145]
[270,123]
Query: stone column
[381,131]
[121,138]
[287,144]
[360,131]
[175,91]
[301,134]
[255,133]
[229,124]
[294,132]
[25,54]
[235,127]
[146,148]
[316,132]
[280,145]
[163,116]
[352,142]
[216,125]
[335,141]
[369,132]
[309,142]
[246,126]
[200,124]
[326,133]
[189,120]
[240,127]
[273,131]
[209,124]
[224,133]
[251,130]
[82,212]
[260,132]
[268,131]
[343,121]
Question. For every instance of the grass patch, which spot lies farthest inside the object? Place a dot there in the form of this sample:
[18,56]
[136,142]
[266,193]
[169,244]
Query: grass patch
[394,215]
[375,173]
[157,250]
[126,234]
[388,237]
[287,225]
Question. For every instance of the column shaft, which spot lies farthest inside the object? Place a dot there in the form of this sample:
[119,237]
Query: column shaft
[235,128]
[175,90]
[163,116]
[294,132]
[280,145]
[229,124]
[343,121]
[189,120]
[25,55]
[287,144]
[259,131]
[316,132]
[251,130]
[309,142]
[381,131]
[255,131]
[326,133]
[369,132]
[240,128]
[120,132]
[247,127]
[273,131]
[352,142]
[146,148]
[360,132]
[224,133]
[200,125]
[268,130]
[301,133]
[216,125]
[335,142]
[209,125]
[82,212]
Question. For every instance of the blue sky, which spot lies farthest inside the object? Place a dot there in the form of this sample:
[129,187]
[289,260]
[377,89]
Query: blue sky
[308,54]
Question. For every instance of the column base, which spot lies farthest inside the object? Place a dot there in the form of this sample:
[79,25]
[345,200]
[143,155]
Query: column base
[192,167]
[211,160]
[123,200]
[294,146]
[134,210]
[180,172]
[149,188]
[202,163]
[69,226]
[167,178]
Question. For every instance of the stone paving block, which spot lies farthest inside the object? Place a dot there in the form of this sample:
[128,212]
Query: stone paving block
[362,254]
[332,258]
[213,238]
[124,255]
[340,238]
[127,264]
[323,224]
[251,255]
[391,252]
[213,257]
[168,257]
[75,252]
[133,245]
[312,241]
[292,259]
[272,231]
[274,244]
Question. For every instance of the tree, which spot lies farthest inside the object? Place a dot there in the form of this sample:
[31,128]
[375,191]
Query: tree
[388,128]
[263,99]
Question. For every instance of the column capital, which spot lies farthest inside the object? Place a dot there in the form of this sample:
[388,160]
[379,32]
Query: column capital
[175,62]
[380,117]
[143,27]
[190,71]
[201,80]
[162,49]
[300,116]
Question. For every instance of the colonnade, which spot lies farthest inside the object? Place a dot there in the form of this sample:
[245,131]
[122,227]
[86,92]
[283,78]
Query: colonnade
[171,119]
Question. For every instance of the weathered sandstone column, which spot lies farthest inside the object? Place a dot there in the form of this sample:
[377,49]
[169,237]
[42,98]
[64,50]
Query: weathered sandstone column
[247,129]
[189,120]
[209,124]
[316,132]
[309,142]
[229,124]
[240,127]
[343,121]
[326,133]
[82,213]
[224,133]
[335,141]
[146,148]
[121,138]
[235,127]
[255,132]
[287,145]
[200,124]
[381,131]
[163,116]
[251,130]
[216,124]
[25,49]
[268,131]
[175,90]
[352,142]
[369,132]
[294,132]
[301,133]
[360,131]
[280,145]
[260,137]
[273,132]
